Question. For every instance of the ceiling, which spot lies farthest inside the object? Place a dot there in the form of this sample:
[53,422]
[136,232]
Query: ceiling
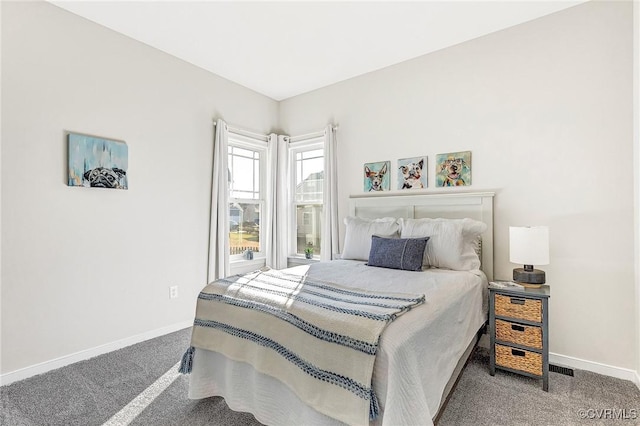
[283,49]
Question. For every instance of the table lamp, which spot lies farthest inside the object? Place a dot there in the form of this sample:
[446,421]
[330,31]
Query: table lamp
[528,246]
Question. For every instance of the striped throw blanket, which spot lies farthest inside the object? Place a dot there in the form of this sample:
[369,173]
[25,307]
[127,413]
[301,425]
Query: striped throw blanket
[318,338]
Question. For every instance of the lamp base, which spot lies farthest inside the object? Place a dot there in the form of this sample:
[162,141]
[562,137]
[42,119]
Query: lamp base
[535,276]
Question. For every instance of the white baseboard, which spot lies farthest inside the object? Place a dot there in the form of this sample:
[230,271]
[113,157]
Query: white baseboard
[595,367]
[24,373]
[53,364]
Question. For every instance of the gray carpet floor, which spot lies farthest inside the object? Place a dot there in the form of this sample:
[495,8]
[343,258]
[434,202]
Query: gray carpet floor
[91,392]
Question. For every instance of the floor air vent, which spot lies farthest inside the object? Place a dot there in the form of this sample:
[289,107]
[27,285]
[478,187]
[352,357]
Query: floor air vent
[562,370]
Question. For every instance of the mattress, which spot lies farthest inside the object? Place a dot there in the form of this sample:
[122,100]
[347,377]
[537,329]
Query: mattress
[417,356]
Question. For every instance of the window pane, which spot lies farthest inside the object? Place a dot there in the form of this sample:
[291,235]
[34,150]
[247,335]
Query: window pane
[309,228]
[309,176]
[313,154]
[256,177]
[244,171]
[242,152]
[299,177]
[244,227]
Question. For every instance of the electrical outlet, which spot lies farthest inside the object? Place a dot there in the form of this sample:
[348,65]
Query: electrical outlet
[173,292]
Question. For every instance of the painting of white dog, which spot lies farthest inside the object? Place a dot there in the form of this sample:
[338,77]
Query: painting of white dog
[376,176]
[453,169]
[412,173]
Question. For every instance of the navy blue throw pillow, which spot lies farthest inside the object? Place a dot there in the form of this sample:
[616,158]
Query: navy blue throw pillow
[397,253]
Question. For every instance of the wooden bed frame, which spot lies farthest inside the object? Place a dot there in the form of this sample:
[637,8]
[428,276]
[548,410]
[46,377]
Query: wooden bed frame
[458,205]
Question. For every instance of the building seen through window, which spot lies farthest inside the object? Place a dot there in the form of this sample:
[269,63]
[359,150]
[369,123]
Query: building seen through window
[246,200]
[308,199]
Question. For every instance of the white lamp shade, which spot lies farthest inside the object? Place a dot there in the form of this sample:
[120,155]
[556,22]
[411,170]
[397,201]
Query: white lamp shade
[529,245]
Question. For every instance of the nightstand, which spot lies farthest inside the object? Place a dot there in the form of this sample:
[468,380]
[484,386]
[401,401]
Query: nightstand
[519,331]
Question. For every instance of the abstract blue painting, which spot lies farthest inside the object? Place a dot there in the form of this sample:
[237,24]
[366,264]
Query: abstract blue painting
[97,162]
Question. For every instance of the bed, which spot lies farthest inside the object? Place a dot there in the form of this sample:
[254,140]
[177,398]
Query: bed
[420,353]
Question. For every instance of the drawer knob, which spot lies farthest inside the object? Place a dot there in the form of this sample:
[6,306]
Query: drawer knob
[517,327]
[516,352]
[517,301]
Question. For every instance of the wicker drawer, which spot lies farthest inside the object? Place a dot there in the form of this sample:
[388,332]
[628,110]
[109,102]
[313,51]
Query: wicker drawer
[518,307]
[517,359]
[526,335]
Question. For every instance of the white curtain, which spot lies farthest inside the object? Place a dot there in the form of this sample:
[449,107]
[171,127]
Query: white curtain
[219,223]
[277,202]
[330,227]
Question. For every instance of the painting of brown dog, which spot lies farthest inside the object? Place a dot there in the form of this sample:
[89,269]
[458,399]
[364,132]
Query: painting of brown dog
[453,169]
[376,176]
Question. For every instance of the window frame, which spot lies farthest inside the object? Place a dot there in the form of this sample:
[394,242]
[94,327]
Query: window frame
[237,140]
[295,147]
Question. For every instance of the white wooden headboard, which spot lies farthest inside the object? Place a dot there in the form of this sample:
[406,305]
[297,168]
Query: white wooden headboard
[474,205]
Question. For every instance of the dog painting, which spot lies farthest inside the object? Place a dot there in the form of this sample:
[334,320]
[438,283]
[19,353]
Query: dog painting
[453,169]
[376,176]
[97,163]
[103,177]
[412,173]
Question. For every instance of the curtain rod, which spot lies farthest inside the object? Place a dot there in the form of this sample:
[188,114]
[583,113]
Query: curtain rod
[244,132]
[248,133]
[261,136]
[310,135]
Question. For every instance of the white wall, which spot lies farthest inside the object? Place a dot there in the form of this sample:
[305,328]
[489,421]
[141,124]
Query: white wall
[636,168]
[86,267]
[546,109]
[541,105]
[0,190]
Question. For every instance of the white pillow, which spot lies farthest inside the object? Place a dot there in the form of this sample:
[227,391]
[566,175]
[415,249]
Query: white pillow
[357,239]
[452,243]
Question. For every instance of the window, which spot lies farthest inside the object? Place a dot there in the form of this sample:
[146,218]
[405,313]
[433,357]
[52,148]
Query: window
[246,195]
[307,161]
